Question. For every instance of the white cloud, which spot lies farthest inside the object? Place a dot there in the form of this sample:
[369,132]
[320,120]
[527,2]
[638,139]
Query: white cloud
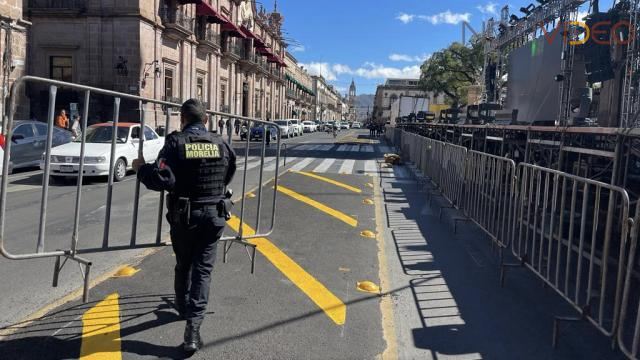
[377,71]
[489,8]
[341,69]
[446,17]
[298,48]
[405,18]
[408,58]
[369,70]
[320,68]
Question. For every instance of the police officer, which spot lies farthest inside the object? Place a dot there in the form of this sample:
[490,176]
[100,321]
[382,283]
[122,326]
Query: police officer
[194,167]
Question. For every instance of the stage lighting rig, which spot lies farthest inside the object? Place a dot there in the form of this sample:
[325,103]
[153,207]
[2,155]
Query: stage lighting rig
[527,10]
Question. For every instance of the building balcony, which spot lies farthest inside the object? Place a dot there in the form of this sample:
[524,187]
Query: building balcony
[291,94]
[248,60]
[276,74]
[208,40]
[57,7]
[178,25]
[232,50]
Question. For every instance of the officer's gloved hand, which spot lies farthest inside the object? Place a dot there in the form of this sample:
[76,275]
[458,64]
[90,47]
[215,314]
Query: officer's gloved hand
[229,193]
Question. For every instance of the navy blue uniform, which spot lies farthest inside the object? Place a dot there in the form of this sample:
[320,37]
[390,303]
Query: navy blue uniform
[194,167]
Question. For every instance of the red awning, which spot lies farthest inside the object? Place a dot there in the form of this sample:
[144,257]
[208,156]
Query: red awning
[257,42]
[265,51]
[232,29]
[213,16]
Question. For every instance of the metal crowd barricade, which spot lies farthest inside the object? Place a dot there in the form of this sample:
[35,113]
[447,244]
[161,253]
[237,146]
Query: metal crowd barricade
[488,195]
[629,325]
[571,232]
[73,251]
[453,162]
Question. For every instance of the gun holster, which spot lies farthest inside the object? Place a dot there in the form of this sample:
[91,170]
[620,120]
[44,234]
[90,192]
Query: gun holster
[179,210]
[224,208]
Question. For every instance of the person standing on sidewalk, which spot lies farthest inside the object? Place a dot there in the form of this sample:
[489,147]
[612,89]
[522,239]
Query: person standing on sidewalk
[62,121]
[194,167]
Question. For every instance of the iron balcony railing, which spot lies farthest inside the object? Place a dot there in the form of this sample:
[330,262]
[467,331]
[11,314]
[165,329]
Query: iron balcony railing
[177,18]
[57,4]
[292,94]
[210,36]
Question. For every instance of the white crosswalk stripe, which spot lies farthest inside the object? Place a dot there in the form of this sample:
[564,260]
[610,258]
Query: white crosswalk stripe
[302,147]
[370,167]
[252,160]
[302,164]
[324,165]
[355,148]
[314,147]
[347,167]
[325,147]
[367,148]
[343,148]
[272,165]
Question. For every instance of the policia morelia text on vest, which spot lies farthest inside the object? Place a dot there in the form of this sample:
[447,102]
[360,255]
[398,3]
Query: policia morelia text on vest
[203,164]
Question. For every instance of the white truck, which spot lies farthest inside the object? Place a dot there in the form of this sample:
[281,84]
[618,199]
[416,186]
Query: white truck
[409,109]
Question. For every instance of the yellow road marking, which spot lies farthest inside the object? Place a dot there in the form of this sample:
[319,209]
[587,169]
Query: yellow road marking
[101,331]
[386,304]
[324,208]
[335,309]
[330,181]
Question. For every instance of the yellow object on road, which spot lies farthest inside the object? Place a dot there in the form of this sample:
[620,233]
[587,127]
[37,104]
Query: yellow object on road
[101,331]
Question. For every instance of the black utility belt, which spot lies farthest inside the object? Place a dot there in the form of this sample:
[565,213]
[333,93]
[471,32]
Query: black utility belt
[181,207]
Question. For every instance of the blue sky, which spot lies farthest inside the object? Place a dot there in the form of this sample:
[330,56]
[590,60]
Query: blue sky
[369,40]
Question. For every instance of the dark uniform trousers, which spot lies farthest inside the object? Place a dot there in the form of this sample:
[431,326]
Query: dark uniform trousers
[195,247]
[200,176]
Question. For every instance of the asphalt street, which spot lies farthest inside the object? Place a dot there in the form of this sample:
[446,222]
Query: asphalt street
[345,224]
[26,285]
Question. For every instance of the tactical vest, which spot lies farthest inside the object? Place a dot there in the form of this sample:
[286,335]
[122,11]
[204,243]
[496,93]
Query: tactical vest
[203,166]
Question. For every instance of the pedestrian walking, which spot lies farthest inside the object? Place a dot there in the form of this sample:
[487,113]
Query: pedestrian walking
[229,125]
[220,126]
[62,121]
[75,126]
[267,132]
[194,167]
[237,125]
[371,130]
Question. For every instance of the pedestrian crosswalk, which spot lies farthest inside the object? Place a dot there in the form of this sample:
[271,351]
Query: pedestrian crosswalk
[313,164]
[343,148]
[339,159]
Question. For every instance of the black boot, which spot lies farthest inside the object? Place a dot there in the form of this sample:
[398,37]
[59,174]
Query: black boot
[192,340]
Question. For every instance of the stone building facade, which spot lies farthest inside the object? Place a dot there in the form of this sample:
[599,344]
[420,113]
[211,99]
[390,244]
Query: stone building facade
[388,93]
[228,53]
[14,36]
[328,101]
[299,93]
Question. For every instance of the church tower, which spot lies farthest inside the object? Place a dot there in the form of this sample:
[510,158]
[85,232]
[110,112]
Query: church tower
[353,116]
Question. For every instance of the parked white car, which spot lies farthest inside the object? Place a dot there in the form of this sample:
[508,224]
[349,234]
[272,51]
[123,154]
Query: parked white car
[309,126]
[287,128]
[297,126]
[344,125]
[356,125]
[65,159]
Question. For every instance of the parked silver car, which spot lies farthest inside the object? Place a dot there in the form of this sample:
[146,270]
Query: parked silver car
[29,141]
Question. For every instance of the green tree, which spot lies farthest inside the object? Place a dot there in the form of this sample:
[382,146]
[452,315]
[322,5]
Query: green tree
[452,70]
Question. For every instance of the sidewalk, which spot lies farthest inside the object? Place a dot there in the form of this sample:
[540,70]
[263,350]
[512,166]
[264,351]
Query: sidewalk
[446,294]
